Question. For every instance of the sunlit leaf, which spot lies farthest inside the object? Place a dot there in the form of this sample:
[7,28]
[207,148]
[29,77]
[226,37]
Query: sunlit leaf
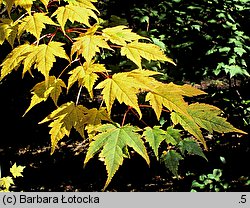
[135,51]
[34,24]
[17,171]
[112,140]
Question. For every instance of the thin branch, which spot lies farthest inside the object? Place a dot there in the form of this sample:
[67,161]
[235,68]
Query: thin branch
[21,16]
[132,110]
[67,67]
[78,95]
[125,115]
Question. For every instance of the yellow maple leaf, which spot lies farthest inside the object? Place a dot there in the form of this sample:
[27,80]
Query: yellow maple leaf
[76,74]
[64,119]
[43,56]
[122,88]
[126,85]
[8,31]
[34,24]
[16,171]
[85,75]
[168,96]
[15,58]
[73,13]
[189,125]
[69,116]
[95,116]
[6,182]
[121,35]
[84,3]
[41,92]
[26,4]
[171,96]
[135,51]
[88,45]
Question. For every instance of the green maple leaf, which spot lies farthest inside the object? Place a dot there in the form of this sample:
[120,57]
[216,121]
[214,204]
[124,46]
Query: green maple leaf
[112,140]
[173,136]
[192,147]
[16,171]
[34,24]
[154,136]
[171,159]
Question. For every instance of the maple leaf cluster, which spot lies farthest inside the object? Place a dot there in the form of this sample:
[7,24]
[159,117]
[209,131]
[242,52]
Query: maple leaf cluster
[85,42]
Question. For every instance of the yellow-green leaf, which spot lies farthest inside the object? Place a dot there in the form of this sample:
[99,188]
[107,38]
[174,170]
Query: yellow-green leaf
[9,4]
[122,88]
[73,13]
[95,116]
[58,131]
[88,46]
[16,171]
[34,24]
[189,125]
[168,97]
[135,51]
[156,102]
[57,86]
[207,117]
[120,35]
[112,140]
[188,90]
[15,58]
[154,136]
[76,74]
